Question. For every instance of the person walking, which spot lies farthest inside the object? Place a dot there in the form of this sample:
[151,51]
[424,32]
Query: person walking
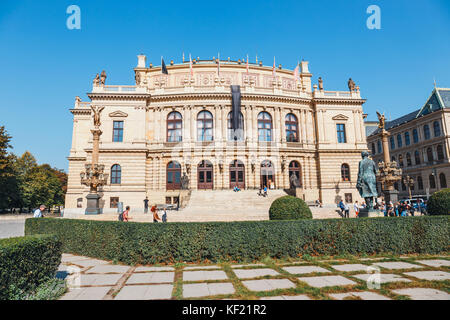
[164,216]
[155,214]
[341,206]
[38,212]
[356,207]
[146,205]
[125,214]
[346,210]
[265,191]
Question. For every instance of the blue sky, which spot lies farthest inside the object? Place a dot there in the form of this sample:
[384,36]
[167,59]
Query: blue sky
[43,65]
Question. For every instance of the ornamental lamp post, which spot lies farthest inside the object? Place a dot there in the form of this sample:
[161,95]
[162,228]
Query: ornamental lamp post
[94,176]
[409,182]
[389,172]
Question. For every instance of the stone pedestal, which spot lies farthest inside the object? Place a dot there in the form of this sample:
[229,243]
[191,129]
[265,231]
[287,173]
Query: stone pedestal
[390,195]
[93,204]
[366,213]
[299,193]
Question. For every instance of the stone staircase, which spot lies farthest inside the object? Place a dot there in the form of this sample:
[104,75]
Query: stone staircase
[225,205]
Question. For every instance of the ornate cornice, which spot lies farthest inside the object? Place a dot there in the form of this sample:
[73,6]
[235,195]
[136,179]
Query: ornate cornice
[118,96]
[80,111]
[338,101]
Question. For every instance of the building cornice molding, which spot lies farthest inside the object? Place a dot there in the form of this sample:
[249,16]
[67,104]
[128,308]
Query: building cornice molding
[338,101]
[119,96]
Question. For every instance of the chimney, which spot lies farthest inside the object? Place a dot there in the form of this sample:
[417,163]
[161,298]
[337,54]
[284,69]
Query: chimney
[304,66]
[142,59]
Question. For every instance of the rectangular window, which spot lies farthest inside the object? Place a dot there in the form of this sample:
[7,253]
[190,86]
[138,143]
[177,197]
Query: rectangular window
[113,202]
[118,131]
[348,198]
[168,200]
[340,127]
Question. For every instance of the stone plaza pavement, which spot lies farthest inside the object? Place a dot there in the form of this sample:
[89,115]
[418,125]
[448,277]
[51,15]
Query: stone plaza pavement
[375,278]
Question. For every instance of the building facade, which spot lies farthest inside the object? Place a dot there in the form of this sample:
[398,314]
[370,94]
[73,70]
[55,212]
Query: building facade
[183,122]
[420,142]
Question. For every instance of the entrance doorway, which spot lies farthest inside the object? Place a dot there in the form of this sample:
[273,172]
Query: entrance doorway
[267,174]
[205,175]
[173,181]
[294,168]
[237,174]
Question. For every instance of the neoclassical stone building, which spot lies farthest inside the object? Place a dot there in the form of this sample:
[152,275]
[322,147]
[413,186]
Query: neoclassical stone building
[275,124]
[420,142]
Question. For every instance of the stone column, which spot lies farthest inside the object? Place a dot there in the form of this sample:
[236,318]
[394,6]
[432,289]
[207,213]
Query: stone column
[283,126]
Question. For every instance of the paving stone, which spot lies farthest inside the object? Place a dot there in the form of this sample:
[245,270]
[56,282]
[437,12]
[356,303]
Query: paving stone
[429,275]
[151,277]
[397,265]
[91,293]
[423,294]
[99,279]
[299,297]
[89,262]
[247,265]
[204,275]
[254,273]
[383,277]
[326,281]
[350,267]
[435,263]
[207,289]
[108,268]
[268,284]
[365,295]
[145,292]
[150,269]
[201,267]
[304,269]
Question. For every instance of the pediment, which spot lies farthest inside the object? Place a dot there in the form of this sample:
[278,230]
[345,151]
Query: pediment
[340,117]
[118,114]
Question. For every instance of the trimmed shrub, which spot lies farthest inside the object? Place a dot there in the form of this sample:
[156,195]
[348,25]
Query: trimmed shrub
[439,203]
[243,241]
[27,262]
[289,208]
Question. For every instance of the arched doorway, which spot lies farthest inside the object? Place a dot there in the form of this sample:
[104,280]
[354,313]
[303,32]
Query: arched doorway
[294,168]
[205,175]
[173,179]
[267,174]
[237,174]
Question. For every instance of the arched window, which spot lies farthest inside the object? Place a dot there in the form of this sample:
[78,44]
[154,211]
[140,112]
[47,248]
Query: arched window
[426,132]
[407,140]
[399,140]
[420,182]
[391,139]
[294,168]
[264,126]
[436,129]
[430,154]
[379,149]
[173,181]
[345,172]
[291,128]
[400,160]
[442,180]
[415,136]
[116,174]
[417,157]
[205,126]
[440,152]
[432,182]
[174,127]
[373,148]
[235,134]
[408,159]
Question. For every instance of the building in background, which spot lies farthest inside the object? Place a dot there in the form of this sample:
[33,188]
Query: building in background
[419,142]
[185,122]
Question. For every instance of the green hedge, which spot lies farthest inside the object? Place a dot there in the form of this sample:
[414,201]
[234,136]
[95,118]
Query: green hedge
[289,208]
[150,243]
[439,203]
[27,262]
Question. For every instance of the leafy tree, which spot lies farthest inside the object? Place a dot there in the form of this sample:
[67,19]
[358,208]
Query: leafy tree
[8,183]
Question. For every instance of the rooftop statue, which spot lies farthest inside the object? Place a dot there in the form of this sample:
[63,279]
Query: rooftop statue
[96,80]
[96,116]
[351,84]
[103,78]
[381,120]
[320,84]
[367,182]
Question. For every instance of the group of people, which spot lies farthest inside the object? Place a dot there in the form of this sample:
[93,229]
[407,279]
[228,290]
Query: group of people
[262,191]
[345,208]
[125,216]
[399,209]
